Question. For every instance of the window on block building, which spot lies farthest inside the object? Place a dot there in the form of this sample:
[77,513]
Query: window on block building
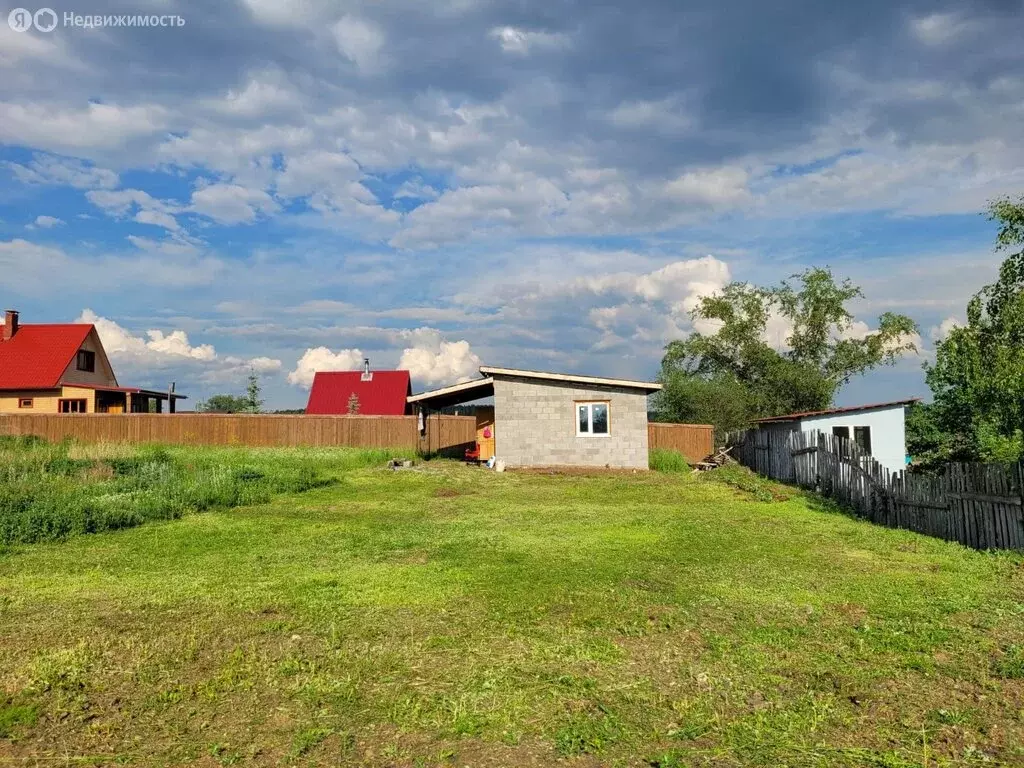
[592,419]
[74,405]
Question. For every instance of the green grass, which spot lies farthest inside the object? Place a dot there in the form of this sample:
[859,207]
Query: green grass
[662,460]
[50,492]
[447,615]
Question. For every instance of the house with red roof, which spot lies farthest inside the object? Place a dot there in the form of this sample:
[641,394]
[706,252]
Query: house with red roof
[63,368]
[365,392]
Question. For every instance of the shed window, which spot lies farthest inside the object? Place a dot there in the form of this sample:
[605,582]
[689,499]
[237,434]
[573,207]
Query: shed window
[75,405]
[25,402]
[591,419]
[862,437]
[86,360]
[843,432]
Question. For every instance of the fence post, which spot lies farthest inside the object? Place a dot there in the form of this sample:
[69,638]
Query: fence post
[1018,535]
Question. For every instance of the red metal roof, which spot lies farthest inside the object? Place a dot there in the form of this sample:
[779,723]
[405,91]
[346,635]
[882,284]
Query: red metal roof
[38,354]
[383,395]
[847,409]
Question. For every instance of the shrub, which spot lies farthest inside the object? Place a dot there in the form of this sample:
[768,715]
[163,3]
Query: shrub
[20,442]
[663,460]
[142,462]
[63,466]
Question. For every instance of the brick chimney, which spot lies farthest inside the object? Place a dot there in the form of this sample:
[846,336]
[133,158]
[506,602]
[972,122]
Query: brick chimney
[10,324]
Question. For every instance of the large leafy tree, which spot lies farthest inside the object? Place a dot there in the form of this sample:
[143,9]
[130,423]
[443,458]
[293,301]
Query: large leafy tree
[977,380]
[817,353]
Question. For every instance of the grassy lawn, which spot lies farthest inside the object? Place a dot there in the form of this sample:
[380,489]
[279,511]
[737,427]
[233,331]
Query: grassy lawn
[448,615]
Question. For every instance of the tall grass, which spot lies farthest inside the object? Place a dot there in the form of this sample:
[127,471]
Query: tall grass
[53,491]
[665,460]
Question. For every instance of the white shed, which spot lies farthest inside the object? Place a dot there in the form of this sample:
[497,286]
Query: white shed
[878,429]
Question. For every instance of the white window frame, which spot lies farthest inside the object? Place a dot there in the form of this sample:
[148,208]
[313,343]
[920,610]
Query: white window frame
[589,405]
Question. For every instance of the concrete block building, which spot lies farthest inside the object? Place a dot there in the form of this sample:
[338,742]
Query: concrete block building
[557,419]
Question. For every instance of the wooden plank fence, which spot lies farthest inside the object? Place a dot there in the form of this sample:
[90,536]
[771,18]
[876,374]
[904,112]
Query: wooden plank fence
[694,441]
[979,505]
[447,435]
[444,433]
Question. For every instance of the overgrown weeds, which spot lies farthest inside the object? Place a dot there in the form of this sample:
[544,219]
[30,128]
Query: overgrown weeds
[742,479]
[49,492]
[664,460]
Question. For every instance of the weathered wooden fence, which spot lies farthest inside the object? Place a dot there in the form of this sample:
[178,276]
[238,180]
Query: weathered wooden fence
[979,505]
[694,441]
[444,433]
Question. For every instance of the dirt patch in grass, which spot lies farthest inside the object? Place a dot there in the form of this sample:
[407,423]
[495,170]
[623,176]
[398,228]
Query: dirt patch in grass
[573,471]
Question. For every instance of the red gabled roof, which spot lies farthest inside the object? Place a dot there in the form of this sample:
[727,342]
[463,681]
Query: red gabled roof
[383,395]
[38,354]
[828,412]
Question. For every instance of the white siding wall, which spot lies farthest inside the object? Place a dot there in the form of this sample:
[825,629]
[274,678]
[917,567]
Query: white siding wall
[888,432]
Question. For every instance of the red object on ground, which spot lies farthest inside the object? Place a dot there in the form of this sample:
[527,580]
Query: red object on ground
[383,394]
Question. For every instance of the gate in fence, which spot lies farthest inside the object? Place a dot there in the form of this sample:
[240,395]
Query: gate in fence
[979,505]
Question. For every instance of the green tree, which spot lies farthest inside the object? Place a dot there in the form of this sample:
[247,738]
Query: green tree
[253,400]
[688,399]
[927,442]
[353,404]
[977,380]
[736,363]
[222,404]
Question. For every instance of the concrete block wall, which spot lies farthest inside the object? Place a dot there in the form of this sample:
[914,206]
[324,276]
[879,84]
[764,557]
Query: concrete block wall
[535,424]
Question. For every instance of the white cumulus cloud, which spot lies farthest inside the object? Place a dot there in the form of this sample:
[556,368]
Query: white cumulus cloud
[447,362]
[323,359]
[170,351]
[941,331]
[158,219]
[360,41]
[232,203]
[47,222]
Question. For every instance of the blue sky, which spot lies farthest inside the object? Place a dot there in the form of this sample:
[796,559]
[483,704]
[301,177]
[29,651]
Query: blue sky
[293,187]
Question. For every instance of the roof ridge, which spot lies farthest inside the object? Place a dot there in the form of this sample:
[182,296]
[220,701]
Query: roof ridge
[837,409]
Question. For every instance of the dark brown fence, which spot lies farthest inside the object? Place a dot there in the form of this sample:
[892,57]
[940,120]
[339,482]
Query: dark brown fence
[980,505]
[444,433]
[694,441]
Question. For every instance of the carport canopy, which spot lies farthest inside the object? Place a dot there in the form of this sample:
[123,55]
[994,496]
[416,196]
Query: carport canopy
[457,394]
